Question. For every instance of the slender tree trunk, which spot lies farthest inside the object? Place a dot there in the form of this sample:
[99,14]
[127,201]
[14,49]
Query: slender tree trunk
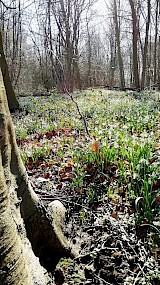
[68,46]
[155,45]
[159,63]
[145,49]
[120,60]
[131,67]
[50,39]
[75,41]
[89,52]
[134,45]
[112,61]
[11,97]
[149,59]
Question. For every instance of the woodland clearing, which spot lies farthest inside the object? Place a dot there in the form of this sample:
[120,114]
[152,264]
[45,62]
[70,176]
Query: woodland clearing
[109,182]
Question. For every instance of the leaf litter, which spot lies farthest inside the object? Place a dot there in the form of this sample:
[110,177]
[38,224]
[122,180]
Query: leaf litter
[99,180]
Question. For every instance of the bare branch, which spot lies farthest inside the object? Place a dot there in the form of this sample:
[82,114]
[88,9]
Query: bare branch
[71,96]
[7,7]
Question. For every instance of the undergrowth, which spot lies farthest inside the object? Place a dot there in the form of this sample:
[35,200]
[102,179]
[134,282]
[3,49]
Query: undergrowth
[121,158]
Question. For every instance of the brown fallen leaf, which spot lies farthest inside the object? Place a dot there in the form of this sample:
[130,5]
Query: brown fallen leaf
[115,215]
[95,147]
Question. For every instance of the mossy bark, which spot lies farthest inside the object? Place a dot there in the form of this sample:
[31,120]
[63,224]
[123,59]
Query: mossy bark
[11,97]
[46,237]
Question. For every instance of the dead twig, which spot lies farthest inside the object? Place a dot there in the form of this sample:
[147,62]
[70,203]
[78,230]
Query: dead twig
[101,279]
[139,273]
[71,96]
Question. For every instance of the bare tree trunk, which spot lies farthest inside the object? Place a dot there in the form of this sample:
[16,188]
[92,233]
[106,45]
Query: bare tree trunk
[12,100]
[13,270]
[159,63]
[50,40]
[43,227]
[120,60]
[75,41]
[149,59]
[68,45]
[89,52]
[68,15]
[155,44]
[134,45]
[112,60]
[145,49]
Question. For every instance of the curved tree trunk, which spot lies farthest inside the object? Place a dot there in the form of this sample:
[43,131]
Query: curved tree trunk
[43,227]
[13,269]
[12,100]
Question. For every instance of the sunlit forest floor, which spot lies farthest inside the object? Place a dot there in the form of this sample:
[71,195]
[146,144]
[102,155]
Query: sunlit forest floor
[109,181]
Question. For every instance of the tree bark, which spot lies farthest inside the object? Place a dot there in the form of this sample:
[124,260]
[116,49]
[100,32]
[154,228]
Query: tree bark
[120,60]
[134,45]
[158,63]
[43,227]
[11,97]
[156,44]
[13,270]
[112,60]
[145,49]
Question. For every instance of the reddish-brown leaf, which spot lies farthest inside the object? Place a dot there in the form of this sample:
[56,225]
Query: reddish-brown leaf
[115,215]
[30,165]
[95,146]
[68,169]
[59,186]
[79,190]
[49,135]
[158,199]
[156,185]
[66,176]
[47,175]
[152,160]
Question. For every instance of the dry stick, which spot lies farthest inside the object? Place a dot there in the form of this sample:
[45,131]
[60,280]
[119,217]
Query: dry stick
[79,112]
[71,96]
[139,273]
[125,252]
[101,279]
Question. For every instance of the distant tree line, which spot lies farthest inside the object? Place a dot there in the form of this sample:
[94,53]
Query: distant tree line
[73,44]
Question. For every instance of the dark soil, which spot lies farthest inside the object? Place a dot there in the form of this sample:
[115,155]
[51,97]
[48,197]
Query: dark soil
[106,238]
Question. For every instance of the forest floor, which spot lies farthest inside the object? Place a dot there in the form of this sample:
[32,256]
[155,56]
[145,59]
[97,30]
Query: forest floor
[108,181]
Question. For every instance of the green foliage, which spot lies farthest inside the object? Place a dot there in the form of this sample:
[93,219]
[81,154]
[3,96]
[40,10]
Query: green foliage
[123,155]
